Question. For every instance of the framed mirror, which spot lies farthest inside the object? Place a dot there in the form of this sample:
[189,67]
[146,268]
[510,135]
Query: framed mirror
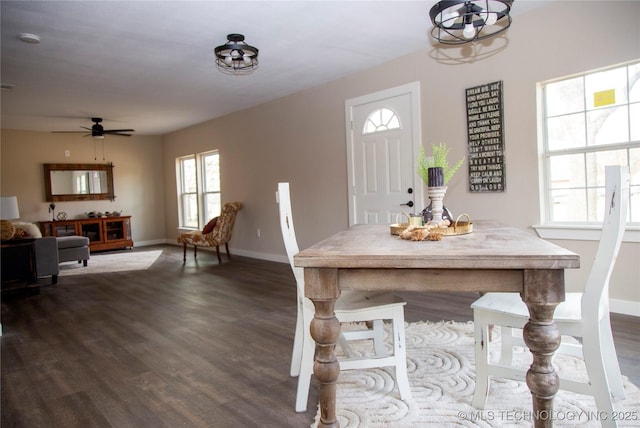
[78,182]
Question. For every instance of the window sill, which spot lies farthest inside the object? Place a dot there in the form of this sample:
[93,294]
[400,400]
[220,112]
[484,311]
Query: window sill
[582,232]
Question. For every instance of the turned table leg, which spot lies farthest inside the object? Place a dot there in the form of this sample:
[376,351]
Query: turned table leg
[543,291]
[321,286]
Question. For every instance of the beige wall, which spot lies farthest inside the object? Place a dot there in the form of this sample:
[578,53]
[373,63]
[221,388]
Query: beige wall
[301,139]
[138,176]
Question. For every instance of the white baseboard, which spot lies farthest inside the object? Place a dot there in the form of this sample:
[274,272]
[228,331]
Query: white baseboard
[235,251]
[261,256]
[152,242]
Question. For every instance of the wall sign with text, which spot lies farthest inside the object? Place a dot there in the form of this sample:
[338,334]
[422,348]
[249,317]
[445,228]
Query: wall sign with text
[485,124]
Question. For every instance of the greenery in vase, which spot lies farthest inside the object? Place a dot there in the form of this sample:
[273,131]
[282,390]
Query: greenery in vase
[439,159]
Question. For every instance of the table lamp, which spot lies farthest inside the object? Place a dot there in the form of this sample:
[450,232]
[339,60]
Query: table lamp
[8,211]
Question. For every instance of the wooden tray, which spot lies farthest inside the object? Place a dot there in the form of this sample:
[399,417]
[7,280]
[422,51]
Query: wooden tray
[458,228]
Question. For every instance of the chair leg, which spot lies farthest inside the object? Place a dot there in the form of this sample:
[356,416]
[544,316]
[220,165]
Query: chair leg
[195,251]
[597,372]
[218,253]
[84,263]
[184,253]
[506,350]
[400,354]
[482,357]
[612,367]
[226,246]
[296,353]
[54,279]
[378,338]
[306,368]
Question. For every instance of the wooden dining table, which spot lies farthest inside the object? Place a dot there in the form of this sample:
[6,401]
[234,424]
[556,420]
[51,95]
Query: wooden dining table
[492,258]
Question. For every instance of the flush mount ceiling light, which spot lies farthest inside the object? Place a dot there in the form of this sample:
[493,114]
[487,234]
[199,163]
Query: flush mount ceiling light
[459,22]
[235,56]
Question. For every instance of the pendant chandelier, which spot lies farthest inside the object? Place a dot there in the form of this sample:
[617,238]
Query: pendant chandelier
[459,22]
[235,56]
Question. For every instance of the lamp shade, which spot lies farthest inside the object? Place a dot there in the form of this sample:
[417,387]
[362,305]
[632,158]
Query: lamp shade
[9,208]
[8,211]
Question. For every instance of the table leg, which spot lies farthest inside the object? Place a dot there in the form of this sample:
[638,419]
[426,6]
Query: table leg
[543,290]
[321,286]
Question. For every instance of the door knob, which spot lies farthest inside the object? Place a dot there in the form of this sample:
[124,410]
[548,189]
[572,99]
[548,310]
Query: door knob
[409,204]
[410,191]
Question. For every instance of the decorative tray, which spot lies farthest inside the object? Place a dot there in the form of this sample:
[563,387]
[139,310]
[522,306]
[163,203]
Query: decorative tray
[458,227]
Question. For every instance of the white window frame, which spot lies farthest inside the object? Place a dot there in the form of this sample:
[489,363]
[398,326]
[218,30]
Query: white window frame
[381,120]
[571,230]
[201,192]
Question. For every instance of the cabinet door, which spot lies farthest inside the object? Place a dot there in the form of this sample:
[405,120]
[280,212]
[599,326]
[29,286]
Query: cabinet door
[92,230]
[115,230]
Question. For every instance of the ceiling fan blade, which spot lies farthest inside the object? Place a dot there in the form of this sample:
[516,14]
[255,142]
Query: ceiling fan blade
[113,131]
[72,132]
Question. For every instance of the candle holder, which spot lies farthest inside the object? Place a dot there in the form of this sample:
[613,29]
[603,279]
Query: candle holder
[436,194]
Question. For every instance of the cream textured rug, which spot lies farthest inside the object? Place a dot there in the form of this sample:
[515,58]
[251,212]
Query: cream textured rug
[441,373]
[111,262]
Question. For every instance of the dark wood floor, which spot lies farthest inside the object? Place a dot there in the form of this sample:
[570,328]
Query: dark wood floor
[196,345]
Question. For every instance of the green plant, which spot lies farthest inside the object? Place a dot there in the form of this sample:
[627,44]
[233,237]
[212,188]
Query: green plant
[439,159]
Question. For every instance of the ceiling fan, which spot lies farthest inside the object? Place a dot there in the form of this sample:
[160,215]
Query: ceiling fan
[97,131]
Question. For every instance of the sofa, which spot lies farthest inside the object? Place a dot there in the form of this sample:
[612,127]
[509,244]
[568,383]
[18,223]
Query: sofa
[51,251]
[47,262]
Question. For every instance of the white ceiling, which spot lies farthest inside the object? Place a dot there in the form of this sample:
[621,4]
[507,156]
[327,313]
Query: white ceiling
[149,65]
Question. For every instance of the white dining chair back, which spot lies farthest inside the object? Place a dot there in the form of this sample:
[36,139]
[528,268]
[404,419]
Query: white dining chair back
[352,307]
[582,315]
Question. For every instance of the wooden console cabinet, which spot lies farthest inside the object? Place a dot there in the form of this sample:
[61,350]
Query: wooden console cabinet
[105,233]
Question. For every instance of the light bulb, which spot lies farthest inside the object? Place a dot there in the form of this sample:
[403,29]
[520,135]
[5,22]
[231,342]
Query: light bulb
[448,19]
[469,31]
[228,60]
[246,59]
[489,18]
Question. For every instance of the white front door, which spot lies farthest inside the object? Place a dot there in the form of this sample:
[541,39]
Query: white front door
[383,140]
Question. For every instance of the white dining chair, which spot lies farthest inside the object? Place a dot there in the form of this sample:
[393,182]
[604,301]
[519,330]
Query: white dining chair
[582,315]
[352,307]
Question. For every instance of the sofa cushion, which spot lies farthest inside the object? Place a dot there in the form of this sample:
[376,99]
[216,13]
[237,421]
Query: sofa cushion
[72,241]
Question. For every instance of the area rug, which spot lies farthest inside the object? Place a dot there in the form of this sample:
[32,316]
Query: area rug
[111,262]
[442,373]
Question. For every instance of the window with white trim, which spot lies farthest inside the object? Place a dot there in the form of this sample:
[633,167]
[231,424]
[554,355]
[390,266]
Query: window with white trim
[381,120]
[589,121]
[199,197]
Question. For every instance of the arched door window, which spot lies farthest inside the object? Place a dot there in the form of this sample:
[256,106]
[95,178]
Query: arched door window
[381,120]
